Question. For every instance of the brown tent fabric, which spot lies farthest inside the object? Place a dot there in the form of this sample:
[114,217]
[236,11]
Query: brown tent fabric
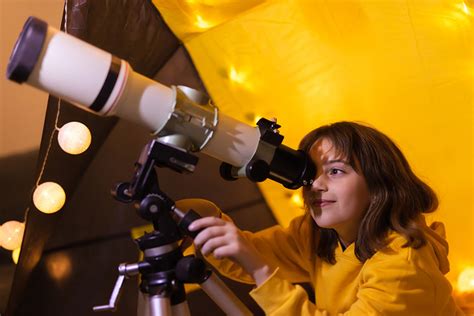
[132,30]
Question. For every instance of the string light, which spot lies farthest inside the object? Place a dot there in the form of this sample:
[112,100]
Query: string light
[297,199]
[2,236]
[465,8]
[58,111]
[466,280]
[59,266]
[241,78]
[49,197]
[201,23]
[74,138]
[468,4]
[12,234]
[16,255]
[256,119]
[252,117]
[236,76]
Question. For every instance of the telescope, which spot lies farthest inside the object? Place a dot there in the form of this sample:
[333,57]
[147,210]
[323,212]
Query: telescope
[91,78]
[182,121]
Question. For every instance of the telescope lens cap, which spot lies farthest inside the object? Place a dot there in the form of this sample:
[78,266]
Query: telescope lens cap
[27,50]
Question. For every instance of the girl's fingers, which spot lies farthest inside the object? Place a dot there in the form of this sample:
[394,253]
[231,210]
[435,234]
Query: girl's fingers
[213,244]
[224,251]
[206,222]
[208,233]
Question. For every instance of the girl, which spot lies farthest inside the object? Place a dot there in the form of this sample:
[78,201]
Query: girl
[363,243]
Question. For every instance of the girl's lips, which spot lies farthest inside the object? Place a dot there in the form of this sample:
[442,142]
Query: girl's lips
[323,203]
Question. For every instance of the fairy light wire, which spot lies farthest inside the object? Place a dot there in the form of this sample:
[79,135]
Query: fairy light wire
[50,143]
[58,111]
[56,127]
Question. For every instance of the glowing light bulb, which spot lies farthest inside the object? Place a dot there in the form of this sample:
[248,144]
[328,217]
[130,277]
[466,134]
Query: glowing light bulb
[74,138]
[297,199]
[256,119]
[49,197]
[241,78]
[16,255]
[466,280]
[201,23]
[12,234]
[464,8]
[236,76]
[59,266]
[2,236]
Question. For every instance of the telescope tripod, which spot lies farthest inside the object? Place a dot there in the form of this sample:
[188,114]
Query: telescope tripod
[164,270]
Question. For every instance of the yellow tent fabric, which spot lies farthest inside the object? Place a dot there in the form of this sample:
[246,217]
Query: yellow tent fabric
[404,67]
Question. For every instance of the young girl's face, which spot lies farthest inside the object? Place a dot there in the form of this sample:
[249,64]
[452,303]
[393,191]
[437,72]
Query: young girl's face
[339,197]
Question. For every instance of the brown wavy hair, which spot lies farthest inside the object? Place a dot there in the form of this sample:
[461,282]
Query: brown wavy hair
[397,195]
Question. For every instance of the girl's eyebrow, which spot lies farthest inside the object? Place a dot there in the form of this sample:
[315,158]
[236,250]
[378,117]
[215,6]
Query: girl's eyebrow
[336,160]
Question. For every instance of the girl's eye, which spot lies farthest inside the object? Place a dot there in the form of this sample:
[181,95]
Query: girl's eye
[335,171]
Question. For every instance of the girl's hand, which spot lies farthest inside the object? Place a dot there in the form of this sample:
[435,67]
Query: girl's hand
[224,240]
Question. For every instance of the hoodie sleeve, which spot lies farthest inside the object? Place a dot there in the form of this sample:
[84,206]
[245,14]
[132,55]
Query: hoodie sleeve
[285,248]
[277,296]
[281,247]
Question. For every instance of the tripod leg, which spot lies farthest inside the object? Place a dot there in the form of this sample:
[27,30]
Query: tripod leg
[181,309]
[159,305]
[142,305]
[153,305]
[216,289]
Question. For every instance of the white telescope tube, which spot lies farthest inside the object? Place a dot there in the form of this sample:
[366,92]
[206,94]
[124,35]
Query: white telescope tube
[82,74]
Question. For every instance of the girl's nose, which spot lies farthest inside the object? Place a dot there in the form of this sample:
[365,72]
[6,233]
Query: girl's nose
[319,183]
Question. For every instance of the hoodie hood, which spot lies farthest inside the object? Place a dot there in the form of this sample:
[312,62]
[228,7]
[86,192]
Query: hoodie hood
[436,237]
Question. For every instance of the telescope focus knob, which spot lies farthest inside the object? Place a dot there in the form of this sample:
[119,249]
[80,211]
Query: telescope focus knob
[257,170]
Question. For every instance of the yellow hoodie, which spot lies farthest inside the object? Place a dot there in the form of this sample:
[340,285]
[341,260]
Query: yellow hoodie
[394,281]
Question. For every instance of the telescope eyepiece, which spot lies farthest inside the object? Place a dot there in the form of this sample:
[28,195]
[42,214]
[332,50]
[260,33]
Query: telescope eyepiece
[27,50]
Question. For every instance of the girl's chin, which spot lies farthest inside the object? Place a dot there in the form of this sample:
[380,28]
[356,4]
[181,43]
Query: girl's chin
[323,222]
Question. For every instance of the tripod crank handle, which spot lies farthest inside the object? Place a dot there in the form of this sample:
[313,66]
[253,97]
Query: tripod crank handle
[125,270]
[113,298]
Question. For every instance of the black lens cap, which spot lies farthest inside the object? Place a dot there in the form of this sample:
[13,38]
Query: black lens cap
[27,50]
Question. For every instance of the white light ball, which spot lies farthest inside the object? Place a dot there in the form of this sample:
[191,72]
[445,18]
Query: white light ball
[49,197]
[466,280]
[74,138]
[297,199]
[12,234]
[16,255]
[2,236]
